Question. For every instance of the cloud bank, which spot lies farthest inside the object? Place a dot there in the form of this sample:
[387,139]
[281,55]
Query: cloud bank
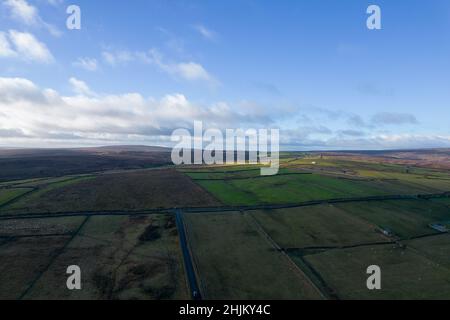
[36,117]
[23,46]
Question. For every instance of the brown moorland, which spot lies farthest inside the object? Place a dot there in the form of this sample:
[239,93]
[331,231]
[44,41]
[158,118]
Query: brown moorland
[137,190]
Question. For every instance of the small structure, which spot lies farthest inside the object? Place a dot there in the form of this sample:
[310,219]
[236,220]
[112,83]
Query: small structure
[439,227]
[387,232]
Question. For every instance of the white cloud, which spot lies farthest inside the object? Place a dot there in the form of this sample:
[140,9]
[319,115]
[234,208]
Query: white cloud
[55,2]
[390,118]
[88,64]
[120,57]
[30,115]
[80,87]
[190,71]
[109,58]
[28,14]
[22,11]
[89,117]
[5,47]
[28,48]
[205,32]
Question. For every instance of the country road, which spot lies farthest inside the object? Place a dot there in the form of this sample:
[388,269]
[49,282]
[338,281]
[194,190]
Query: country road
[189,266]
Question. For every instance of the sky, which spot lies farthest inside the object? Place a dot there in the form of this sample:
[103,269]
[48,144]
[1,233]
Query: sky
[139,69]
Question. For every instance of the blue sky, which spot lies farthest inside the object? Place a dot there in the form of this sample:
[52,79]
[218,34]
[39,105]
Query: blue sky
[139,69]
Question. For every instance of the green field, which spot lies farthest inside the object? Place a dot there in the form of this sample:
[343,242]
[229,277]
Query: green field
[445,201]
[298,188]
[330,179]
[405,218]
[234,261]
[316,226]
[43,187]
[435,248]
[6,195]
[406,274]
[332,244]
[220,174]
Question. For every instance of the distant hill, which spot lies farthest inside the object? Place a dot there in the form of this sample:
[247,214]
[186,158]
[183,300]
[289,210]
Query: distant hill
[430,158]
[17,164]
[119,149]
[12,152]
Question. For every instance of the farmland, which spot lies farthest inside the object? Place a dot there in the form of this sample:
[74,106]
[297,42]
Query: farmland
[122,258]
[7,195]
[298,184]
[309,232]
[135,190]
[228,248]
[332,217]
[406,274]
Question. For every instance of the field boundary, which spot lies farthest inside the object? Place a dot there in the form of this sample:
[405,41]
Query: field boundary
[249,178]
[15,199]
[220,209]
[53,258]
[324,294]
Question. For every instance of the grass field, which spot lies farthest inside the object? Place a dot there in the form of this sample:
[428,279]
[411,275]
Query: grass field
[435,248]
[120,258]
[39,227]
[22,261]
[405,273]
[332,244]
[220,174]
[297,188]
[316,226]
[444,201]
[405,218]
[6,195]
[120,191]
[235,262]
[40,187]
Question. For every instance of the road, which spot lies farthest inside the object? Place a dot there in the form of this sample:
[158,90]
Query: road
[189,266]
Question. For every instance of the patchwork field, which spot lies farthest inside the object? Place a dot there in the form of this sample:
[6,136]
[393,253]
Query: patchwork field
[434,248]
[332,244]
[316,226]
[404,218]
[249,237]
[119,191]
[294,188]
[9,194]
[235,261]
[120,258]
[405,273]
[445,201]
